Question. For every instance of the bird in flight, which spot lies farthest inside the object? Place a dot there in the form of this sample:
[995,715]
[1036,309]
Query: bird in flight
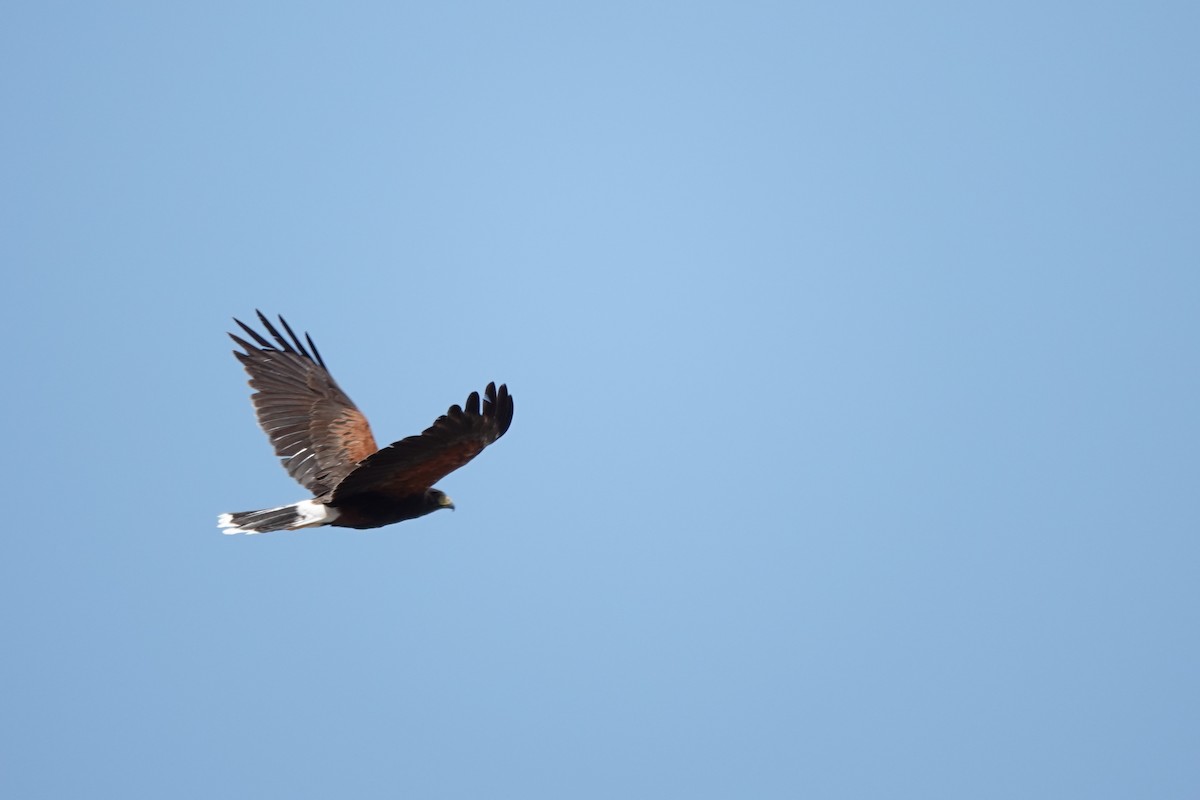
[326,444]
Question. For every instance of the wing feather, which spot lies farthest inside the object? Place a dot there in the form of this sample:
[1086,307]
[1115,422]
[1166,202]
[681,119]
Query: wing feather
[316,430]
[412,465]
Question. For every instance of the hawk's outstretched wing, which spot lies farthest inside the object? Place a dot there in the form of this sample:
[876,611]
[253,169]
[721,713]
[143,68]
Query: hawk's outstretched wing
[412,465]
[316,429]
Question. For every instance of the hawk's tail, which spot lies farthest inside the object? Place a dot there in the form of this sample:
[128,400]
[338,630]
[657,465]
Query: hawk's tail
[305,514]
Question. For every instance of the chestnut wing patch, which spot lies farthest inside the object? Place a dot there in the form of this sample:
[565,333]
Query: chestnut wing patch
[412,465]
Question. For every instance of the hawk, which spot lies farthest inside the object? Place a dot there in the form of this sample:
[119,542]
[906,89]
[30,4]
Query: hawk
[325,442]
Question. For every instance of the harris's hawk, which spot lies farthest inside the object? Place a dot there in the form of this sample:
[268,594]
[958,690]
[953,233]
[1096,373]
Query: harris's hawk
[326,444]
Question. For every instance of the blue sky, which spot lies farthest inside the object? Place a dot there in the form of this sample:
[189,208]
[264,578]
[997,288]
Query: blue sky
[854,354]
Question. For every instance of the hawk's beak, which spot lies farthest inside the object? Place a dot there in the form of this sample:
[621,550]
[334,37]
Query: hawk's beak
[446,502]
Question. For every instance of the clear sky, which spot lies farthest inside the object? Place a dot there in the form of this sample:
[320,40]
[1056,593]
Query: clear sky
[854,349]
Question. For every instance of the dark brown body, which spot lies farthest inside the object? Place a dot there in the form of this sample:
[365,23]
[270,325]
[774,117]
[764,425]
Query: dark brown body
[375,510]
